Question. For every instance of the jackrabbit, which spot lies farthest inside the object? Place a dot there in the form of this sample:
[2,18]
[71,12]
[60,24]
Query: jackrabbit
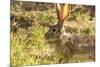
[58,35]
[61,37]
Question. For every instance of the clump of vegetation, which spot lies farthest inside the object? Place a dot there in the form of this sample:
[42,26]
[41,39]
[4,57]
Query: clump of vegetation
[28,28]
[28,47]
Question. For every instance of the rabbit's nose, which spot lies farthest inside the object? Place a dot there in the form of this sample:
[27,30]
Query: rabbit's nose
[46,35]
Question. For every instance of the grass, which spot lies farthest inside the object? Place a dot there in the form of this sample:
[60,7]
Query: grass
[27,36]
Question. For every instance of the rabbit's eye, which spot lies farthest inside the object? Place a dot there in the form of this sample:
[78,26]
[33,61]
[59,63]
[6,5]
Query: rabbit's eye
[54,30]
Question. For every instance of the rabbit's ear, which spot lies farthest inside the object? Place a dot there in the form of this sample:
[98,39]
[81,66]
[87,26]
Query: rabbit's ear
[63,11]
[58,9]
